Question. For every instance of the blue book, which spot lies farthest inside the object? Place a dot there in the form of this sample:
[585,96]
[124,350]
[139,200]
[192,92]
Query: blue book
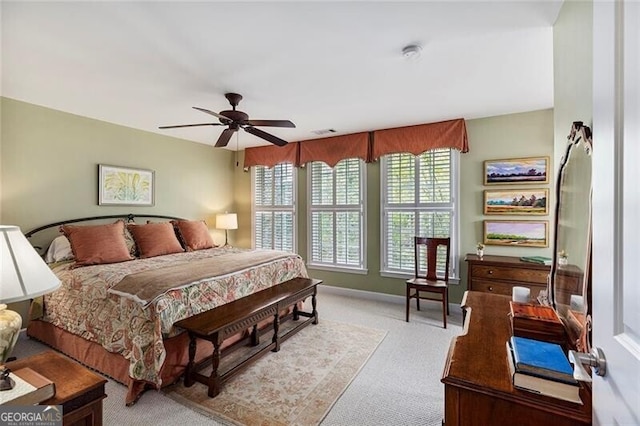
[541,359]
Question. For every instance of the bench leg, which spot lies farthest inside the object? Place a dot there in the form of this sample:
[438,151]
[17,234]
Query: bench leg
[214,378]
[255,336]
[296,312]
[276,331]
[314,311]
[188,374]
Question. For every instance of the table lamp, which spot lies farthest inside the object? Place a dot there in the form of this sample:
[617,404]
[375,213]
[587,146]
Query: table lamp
[23,276]
[226,221]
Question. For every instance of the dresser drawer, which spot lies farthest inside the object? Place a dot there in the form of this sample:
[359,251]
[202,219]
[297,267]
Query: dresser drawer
[500,287]
[538,276]
[495,287]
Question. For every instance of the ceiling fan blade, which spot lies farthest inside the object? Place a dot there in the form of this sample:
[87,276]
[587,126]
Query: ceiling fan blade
[266,136]
[225,137]
[226,120]
[271,123]
[190,125]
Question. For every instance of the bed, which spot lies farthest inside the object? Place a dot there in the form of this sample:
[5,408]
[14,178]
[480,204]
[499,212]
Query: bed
[117,316]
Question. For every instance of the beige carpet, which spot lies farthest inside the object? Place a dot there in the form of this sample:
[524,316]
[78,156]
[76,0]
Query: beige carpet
[297,385]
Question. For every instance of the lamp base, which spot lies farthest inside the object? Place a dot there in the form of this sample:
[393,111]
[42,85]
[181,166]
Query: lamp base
[10,324]
[6,382]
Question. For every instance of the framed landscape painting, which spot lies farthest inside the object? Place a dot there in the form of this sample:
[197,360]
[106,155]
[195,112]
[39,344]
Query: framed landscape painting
[516,201]
[525,233]
[125,186]
[516,171]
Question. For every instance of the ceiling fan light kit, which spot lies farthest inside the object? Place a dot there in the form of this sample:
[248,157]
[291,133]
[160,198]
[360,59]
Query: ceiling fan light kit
[236,120]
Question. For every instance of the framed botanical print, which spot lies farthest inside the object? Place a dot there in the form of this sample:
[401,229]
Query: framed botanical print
[125,186]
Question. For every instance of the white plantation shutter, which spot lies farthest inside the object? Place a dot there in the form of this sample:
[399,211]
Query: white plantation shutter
[417,200]
[274,207]
[336,212]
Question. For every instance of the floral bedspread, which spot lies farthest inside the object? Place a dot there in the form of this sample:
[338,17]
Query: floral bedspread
[83,306]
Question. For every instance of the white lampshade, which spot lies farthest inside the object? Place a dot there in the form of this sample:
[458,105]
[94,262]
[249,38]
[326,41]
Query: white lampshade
[227,221]
[23,273]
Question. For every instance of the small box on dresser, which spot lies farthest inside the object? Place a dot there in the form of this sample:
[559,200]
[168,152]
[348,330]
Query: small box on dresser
[536,322]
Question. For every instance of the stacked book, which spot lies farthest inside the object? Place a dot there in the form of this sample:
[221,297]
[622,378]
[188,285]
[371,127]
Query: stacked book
[542,260]
[542,368]
[29,388]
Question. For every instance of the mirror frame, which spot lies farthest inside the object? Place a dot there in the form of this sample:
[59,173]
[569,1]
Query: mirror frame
[577,327]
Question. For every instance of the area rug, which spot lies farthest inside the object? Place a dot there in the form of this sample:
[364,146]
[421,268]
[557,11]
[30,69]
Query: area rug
[296,386]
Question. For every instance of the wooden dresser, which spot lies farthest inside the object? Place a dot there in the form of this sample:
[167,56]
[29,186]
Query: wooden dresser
[478,387]
[499,274]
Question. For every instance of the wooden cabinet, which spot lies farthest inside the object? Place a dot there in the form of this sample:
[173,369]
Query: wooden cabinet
[477,381]
[499,274]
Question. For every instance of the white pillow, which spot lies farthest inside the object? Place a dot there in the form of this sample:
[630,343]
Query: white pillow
[59,250]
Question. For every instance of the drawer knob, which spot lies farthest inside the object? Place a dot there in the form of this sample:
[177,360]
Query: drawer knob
[490,272]
[490,288]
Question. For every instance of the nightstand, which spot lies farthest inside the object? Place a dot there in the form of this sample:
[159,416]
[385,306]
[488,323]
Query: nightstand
[79,390]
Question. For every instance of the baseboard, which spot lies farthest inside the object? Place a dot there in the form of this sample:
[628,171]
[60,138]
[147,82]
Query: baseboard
[372,295]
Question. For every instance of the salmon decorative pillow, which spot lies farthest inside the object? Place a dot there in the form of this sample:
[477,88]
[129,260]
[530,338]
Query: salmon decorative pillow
[97,244]
[155,239]
[193,234]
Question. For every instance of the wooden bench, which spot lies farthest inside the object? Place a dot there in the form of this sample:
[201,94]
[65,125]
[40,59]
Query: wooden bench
[217,324]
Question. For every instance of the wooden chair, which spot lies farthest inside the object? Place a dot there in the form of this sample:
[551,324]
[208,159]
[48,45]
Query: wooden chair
[430,283]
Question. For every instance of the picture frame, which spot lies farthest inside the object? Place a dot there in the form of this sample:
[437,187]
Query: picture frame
[515,233]
[125,186]
[534,170]
[523,201]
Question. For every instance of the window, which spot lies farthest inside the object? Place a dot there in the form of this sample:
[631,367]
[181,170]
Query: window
[419,196]
[336,215]
[274,192]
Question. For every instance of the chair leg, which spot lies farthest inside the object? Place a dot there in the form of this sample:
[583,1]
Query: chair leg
[445,309]
[447,294]
[418,299]
[408,300]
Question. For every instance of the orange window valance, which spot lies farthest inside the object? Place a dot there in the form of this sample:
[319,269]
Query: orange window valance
[271,155]
[411,139]
[421,138]
[332,150]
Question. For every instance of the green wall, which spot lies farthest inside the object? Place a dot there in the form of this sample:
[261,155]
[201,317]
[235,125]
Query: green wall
[508,136]
[573,70]
[50,168]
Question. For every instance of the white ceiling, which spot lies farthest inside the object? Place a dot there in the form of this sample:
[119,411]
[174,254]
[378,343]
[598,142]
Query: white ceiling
[319,64]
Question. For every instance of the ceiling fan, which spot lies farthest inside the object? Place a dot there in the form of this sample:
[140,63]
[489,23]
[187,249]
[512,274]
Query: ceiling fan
[235,120]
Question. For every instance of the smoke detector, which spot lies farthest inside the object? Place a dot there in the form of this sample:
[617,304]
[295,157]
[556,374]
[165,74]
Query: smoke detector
[412,51]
